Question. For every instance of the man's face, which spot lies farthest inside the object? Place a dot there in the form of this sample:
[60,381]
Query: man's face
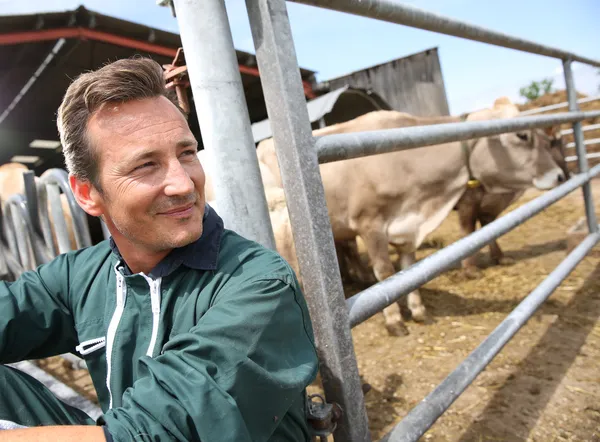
[152,181]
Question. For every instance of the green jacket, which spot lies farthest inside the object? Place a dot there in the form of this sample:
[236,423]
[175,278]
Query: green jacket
[215,344]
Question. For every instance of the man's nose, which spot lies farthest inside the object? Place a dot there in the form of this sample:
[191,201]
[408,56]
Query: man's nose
[178,181]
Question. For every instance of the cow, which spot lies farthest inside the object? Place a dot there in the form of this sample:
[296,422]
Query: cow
[476,204]
[480,205]
[399,198]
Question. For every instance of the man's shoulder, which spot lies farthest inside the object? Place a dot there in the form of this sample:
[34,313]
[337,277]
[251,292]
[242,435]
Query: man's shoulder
[252,260]
[87,258]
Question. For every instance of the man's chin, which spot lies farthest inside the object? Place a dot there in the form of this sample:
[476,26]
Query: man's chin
[187,237]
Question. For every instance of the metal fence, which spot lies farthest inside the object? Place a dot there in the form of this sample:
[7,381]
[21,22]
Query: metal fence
[299,155]
[34,224]
[588,128]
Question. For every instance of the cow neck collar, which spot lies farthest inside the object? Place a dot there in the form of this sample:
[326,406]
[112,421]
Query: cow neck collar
[467,150]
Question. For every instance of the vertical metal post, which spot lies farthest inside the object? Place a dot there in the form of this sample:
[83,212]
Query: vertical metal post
[580,146]
[297,157]
[58,219]
[223,116]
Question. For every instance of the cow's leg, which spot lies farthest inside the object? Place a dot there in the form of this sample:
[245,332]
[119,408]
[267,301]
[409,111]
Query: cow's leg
[467,217]
[361,272]
[341,248]
[415,305]
[376,242]
[496,252]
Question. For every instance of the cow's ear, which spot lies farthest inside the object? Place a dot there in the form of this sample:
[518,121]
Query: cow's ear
[552,131]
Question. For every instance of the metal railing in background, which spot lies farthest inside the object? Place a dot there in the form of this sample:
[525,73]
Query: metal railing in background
[573,158]
[589,142]
[60,178]
[299,154]
[584,129]
[30,231]
[564,105]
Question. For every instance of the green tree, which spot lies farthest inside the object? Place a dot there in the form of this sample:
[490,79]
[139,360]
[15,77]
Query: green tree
[537,89]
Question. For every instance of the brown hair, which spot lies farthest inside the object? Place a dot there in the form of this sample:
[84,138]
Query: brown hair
[121,81]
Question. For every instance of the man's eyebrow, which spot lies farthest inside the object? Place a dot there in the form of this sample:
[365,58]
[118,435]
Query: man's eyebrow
[187,142]
[146,155]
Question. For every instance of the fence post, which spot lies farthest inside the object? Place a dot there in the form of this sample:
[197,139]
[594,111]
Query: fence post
[580,146]
[223,116]
[297,157]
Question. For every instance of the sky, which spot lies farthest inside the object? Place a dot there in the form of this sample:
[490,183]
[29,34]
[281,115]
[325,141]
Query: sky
[333,44]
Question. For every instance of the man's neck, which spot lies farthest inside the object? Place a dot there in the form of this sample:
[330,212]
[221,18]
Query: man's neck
[139,260]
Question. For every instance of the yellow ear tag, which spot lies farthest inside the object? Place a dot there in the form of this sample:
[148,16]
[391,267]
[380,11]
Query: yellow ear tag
[473,184]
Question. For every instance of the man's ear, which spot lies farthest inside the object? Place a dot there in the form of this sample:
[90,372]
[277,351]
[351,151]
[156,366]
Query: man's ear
[86,195]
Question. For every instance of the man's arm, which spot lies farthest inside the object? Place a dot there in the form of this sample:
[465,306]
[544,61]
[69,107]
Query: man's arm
[35,320]
[71,433]
[233,376]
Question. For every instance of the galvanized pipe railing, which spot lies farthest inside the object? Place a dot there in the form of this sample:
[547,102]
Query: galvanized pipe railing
[395,12]
[223,117]
[562,105]
[424,415]
[372,300]
[582,162]
[589,156]
[345,146]
[80,225]
[21,246]
[45,224]
[298,159]
[587,128]
[589,142]
[288,115]
[58,218]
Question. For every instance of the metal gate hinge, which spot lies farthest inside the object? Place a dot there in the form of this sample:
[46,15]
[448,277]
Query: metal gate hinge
[322,417]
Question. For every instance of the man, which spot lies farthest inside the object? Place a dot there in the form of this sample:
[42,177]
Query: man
[190,332]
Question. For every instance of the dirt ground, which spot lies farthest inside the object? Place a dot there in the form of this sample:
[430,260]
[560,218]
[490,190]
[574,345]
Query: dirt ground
[543,386]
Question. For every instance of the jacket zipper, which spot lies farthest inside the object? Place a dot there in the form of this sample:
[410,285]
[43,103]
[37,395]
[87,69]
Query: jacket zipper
[92,345]
[155,301]
[112,329]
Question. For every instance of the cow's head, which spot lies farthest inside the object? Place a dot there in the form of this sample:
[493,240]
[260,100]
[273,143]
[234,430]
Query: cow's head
[516,161]
[557,149]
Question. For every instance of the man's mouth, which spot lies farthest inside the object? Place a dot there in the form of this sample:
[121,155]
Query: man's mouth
[179,212]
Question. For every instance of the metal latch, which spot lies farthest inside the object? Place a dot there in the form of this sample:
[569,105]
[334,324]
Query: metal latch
[322,417]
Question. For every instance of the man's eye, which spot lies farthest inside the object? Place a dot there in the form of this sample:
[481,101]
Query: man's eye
[145,165]
[189,152]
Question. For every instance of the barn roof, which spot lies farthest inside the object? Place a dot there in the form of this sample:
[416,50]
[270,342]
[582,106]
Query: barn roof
[343,104]
[37,65]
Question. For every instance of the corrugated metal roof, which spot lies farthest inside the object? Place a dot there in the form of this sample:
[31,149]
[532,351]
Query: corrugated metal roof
[317,109]
[343,104]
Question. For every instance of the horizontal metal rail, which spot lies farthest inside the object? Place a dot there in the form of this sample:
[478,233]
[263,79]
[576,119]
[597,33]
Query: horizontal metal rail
[583,129]
[345,146]
[563,105]
[589,142]
[372,300]
[394,12]
[424,415]
[589,156]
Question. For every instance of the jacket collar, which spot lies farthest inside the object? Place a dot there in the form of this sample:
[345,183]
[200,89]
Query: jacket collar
[202,254]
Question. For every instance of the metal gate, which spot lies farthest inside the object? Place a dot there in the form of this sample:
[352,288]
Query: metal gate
[217,90]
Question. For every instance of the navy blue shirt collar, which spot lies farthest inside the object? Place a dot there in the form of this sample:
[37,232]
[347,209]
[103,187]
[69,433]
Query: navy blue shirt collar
[202,254]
